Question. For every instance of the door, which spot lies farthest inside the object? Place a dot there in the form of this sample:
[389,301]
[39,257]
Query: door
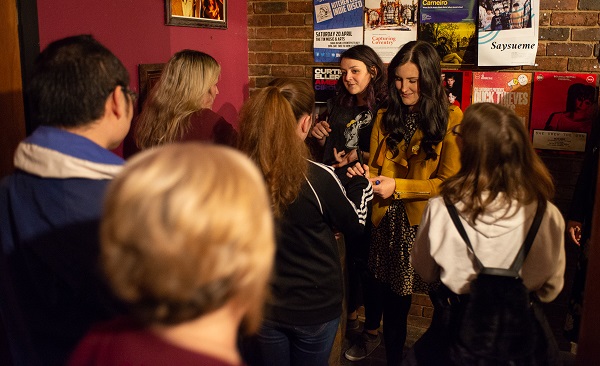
[12,115]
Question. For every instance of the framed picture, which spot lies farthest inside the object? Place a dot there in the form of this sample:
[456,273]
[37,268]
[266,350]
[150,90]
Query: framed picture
[148,76]
[197,13]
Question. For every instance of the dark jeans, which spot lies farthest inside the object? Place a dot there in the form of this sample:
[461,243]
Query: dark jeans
[381,300]
[282,344]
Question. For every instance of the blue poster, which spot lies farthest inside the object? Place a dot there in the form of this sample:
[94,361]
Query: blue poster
[338,25]
[448,11]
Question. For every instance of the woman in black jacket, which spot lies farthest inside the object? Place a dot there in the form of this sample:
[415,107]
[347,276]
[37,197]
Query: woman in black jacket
[309,201]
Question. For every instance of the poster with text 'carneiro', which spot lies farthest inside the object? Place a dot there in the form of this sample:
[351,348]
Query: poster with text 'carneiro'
[508,32]
[563,110]
[510,89]
[338,25]
[450,26]
[389,24]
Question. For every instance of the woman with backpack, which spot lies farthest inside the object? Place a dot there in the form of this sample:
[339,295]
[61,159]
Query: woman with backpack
[496,193]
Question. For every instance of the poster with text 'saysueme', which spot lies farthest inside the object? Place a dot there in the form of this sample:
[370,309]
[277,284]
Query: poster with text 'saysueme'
[508,32]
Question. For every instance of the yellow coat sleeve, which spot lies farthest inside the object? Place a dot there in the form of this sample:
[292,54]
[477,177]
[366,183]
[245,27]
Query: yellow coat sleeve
[417,179]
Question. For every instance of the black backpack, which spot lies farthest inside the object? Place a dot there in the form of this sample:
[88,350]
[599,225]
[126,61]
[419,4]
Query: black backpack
[497,324]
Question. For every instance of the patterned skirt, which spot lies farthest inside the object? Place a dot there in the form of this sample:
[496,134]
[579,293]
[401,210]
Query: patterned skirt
[389,254]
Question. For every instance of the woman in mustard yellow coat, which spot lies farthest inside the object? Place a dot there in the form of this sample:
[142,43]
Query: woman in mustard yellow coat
[412,151]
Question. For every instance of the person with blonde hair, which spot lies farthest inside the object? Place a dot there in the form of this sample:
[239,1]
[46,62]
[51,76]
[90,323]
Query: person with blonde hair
[496,192]
[179,107]
[309,201]
[189,248]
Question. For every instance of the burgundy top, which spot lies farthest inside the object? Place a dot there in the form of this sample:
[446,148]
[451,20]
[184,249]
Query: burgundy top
[121,342]
[206,125]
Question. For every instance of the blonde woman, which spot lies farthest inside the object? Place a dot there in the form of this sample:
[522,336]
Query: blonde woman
[309,200]
[179,106]
[189,248]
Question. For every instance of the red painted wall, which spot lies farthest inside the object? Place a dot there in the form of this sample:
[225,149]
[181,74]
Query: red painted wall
[135,31]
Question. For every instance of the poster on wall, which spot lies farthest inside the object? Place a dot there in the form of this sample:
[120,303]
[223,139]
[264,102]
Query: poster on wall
[389,24]
[508,32]
[510,89]
[458,85]
[450,26]
[324,82]
[562,110]
[338,25]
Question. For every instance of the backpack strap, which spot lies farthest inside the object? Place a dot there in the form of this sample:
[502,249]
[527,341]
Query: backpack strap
[461,229]
[525,247]
[535,225]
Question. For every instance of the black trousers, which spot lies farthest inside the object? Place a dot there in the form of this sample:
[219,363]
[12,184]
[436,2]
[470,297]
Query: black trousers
[381,300]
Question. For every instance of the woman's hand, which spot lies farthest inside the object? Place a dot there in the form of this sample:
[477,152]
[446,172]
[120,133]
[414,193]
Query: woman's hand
[344,158]
[383,186]
[357,169]
[320,131]
[574,230]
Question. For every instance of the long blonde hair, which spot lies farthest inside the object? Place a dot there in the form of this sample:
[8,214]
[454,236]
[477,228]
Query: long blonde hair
[268,134]
[497,160]
[183,86]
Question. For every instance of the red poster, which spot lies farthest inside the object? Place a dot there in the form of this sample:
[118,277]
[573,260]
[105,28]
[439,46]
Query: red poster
[563,101]
[511,89]
[562,110]
[458,86]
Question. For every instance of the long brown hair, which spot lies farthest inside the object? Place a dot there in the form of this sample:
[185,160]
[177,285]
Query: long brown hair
[268,134]
[432,108]
[497,159]
[180,92]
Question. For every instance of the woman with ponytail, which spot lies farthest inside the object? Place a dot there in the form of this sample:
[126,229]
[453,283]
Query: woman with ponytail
[309,200]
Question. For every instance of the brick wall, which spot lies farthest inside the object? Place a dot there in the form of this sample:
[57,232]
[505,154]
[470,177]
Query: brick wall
[280,37]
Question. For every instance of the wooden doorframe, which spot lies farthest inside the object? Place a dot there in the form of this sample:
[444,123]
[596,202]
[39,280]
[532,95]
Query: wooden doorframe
[29,40]
[19,35]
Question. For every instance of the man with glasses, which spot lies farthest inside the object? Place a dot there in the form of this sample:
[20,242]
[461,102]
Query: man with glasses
[50,292]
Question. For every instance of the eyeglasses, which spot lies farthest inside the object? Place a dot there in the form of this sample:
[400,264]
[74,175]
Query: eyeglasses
[456,130]
[133,95]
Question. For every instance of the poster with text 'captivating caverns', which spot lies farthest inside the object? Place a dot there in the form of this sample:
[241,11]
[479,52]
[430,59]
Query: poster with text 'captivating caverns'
[510,89]
[338,25]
